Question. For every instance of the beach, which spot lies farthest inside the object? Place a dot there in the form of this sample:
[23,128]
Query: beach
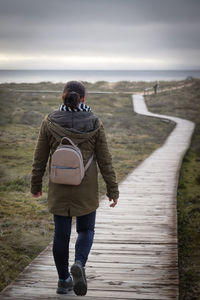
[55,76]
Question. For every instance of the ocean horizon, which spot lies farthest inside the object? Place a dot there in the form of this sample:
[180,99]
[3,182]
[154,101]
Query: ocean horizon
[56,76]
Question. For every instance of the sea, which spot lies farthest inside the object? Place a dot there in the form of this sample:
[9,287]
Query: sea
[56,76]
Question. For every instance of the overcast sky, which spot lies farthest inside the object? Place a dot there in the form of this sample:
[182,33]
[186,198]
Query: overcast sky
[99,34]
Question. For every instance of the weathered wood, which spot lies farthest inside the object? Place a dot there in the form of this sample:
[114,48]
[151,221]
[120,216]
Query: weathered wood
[134,255]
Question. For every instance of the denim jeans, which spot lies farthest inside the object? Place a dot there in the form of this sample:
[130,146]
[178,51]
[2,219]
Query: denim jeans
[85,229]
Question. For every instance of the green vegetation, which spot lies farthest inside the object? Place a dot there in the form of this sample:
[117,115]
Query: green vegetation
[185,103]
[26,227]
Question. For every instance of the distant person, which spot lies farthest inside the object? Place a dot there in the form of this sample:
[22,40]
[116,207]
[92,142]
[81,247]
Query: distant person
[75,120]
[156,86]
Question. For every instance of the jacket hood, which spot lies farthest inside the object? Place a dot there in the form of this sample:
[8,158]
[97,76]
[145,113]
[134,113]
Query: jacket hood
[79,126]
[79,122]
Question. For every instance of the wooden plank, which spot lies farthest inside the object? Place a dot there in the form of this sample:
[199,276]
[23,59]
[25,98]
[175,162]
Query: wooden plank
[139,293]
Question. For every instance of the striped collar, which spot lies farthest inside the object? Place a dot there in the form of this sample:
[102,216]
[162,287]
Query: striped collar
[81,107]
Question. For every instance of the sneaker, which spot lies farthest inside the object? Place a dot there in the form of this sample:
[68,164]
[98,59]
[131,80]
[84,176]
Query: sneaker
[79,278]
[64,286]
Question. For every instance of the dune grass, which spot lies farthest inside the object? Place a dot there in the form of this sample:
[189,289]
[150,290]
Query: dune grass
[26,227]
[185,103]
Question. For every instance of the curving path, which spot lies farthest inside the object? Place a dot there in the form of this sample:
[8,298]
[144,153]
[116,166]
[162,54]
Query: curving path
[134,255]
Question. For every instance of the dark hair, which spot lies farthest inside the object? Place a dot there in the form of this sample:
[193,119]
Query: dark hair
[72,93]
[71,99]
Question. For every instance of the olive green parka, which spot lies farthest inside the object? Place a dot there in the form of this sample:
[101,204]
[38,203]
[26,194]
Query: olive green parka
[87,131]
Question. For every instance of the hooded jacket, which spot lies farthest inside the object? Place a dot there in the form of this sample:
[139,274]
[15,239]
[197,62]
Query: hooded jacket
[87,131]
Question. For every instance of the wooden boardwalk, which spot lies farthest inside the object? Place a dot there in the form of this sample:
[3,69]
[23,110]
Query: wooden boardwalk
[134,255]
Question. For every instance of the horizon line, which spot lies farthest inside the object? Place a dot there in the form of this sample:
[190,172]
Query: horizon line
[190,69]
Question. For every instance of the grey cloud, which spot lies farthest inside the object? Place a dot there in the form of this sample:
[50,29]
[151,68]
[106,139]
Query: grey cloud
[115,11]
[94,27]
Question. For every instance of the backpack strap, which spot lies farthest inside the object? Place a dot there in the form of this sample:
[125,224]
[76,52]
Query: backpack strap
[66,138]
[89,163]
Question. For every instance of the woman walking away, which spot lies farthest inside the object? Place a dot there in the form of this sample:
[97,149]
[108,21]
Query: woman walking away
[75,121]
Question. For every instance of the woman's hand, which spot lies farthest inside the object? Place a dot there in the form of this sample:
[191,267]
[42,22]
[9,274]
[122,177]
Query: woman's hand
[114,202]
[37,195]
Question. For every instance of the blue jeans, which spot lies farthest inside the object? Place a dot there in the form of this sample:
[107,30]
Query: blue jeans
[85,229]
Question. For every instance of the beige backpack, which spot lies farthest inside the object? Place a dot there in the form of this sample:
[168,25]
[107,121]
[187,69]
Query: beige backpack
[67,164]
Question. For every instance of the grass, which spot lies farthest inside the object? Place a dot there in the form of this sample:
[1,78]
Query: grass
[26,227]
[185,103]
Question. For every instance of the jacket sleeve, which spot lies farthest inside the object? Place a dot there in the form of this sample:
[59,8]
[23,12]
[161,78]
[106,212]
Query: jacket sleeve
[40,160]
[104,161]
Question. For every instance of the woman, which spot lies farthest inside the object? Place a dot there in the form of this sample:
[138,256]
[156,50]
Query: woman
[74,120]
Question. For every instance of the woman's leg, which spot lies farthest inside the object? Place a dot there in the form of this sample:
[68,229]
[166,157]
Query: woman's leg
[61,244]
[85,228]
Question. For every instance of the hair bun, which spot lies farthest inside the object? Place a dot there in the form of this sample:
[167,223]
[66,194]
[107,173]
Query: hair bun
[72,93]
